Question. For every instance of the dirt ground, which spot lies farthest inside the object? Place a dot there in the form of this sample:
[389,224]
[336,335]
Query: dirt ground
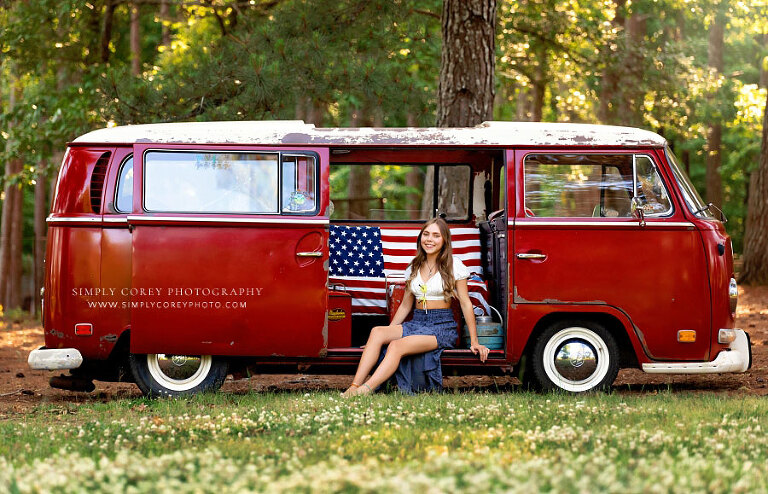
[22,389]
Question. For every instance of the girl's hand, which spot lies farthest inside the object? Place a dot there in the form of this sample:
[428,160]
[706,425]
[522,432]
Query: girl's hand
[480,350]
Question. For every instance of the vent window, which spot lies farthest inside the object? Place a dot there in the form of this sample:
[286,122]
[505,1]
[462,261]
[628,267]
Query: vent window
[98,176]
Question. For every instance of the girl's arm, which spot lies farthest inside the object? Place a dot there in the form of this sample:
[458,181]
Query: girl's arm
[405,308]
[469,316]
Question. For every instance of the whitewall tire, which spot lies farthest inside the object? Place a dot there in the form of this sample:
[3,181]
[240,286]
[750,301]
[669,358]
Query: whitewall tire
[159,374]
[574,356]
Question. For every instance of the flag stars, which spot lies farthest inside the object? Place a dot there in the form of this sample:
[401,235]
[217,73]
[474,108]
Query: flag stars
[356,251]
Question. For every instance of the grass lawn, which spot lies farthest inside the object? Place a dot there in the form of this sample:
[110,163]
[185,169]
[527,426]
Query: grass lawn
[297,442]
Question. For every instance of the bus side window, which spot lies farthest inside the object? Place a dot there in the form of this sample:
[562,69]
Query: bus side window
[124,192]
[299,184]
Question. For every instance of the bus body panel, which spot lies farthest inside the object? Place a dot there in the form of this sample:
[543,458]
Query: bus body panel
[256,285]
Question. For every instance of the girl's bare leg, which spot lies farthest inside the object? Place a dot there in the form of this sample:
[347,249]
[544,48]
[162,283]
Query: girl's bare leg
[396,350]
[380,336]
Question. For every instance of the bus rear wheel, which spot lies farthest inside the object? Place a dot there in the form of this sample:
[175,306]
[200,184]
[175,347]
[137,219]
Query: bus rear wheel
[574,356]
[159,374]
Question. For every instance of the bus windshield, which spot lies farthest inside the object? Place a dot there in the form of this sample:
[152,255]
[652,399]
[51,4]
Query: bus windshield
[693,200]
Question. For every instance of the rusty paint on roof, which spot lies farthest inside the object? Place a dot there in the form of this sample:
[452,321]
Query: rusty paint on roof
[296,132]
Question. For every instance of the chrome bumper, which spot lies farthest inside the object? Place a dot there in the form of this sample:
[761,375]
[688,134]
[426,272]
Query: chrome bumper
[737,358]
[54,358]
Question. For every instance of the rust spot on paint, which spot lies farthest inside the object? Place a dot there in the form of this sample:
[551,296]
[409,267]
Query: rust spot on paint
[640,335]
[325,331]
[296,138]
[57,334]
[553,301]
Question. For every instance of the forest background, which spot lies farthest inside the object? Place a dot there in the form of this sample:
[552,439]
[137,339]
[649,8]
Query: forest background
[695,71]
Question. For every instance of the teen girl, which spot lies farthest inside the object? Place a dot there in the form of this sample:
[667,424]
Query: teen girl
[433,278]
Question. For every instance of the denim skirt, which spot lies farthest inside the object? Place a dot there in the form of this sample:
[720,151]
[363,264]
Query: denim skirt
[423,372]
[437,322]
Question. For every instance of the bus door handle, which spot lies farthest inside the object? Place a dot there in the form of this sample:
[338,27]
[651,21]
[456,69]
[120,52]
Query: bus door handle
[309,254]
[531,255]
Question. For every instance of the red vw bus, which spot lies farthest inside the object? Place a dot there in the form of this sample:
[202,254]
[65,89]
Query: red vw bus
[180,253]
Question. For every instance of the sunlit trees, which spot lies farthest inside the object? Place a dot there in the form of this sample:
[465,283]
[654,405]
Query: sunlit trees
[756,239]
[70,66]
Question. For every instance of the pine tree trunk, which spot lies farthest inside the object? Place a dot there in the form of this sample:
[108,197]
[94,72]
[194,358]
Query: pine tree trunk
[135,41]
[523,101]
[539,85]
[359,190]
[686,158]
[631,101]
[715,131]
[413,180]
[315,112]
[609,84]
[41,210]
[466,87]
[6,237]
[165,17]
[764,63]
[10,229]
[300,108]
[15,295]
[106,30]
[359,183]
[755,269]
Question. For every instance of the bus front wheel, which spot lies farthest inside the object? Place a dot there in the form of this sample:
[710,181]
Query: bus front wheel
[574,356]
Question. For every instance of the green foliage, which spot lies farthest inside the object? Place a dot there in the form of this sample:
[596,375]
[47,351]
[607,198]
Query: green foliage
[391,195]
[376,62]
[348,56]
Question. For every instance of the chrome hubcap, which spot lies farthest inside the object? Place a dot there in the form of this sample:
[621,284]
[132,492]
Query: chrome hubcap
[575,360]
[178,367]
[180,373]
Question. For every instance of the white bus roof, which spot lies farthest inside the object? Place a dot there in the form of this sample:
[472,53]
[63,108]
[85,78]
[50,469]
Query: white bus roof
[296,132]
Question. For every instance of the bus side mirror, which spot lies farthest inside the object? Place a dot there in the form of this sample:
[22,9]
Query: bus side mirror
[637,210]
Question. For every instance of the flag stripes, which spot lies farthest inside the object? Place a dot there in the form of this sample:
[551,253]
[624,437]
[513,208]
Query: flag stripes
[363,257]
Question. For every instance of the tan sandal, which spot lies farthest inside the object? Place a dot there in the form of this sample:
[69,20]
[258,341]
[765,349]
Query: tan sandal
[370,391]
[350,390]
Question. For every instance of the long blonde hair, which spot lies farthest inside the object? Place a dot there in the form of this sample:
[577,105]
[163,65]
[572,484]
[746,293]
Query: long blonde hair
[444,258]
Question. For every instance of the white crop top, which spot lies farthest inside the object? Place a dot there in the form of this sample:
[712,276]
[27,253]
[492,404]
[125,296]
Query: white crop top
[435,283]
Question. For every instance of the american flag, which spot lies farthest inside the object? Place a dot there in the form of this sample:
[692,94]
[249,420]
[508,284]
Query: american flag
[363,257]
